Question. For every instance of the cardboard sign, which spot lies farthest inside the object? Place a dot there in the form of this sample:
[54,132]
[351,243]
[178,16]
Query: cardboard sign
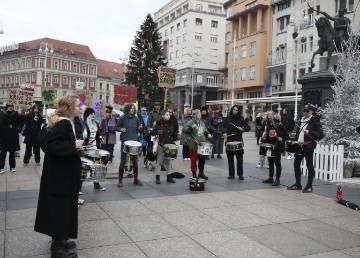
[47,95]
[96,105]
[20,98]
[124,94]
[84,97]
[167,77]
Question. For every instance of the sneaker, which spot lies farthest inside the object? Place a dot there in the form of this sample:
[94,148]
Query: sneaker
[267,166]
[26,164]
[2,171]
[98,187]
[38,164]
[80,201]
[188,159]
[259,166]
[276,182]
[308,189]
[294,187]
[80,193]
[289,157]
[268,181]
[12,170]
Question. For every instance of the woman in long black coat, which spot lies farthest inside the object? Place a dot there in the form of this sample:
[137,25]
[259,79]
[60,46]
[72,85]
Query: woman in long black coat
[33,122]
[57,212]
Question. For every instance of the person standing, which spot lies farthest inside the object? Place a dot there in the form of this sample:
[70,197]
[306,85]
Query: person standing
[154,116]
[309,131]
[57,210]
[289,123]
[167,135]
[196,130]
[108,132]
[259,127]
[9,137]
[184,140]
[234,126]
[143,116]
[275,134]
[266,123]
[129,125]
[210,125]
[33,123]
[218,137]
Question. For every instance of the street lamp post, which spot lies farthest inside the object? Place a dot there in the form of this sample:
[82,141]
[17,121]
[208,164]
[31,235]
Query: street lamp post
[45,47]
[233,75]
[192,54]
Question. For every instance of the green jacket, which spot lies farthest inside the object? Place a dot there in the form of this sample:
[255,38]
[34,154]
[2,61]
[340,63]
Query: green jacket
[197,133]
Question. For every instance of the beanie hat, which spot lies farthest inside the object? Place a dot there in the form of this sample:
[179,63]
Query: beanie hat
[87,113]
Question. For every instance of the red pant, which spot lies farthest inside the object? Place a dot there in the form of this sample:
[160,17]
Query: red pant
[194,157]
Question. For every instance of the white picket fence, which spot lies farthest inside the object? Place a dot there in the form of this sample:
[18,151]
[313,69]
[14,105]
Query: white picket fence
[328,162]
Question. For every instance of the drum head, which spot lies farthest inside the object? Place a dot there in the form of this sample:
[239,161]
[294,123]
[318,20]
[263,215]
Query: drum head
[132,143]
[172,146]
[205,144]
[103,152]
[86,161]
[90,153]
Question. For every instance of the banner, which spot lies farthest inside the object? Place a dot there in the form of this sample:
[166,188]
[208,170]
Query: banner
[124,94]
[20,98]
[84,97]
[267,88]
[167,77]
[96,105]
[47,95]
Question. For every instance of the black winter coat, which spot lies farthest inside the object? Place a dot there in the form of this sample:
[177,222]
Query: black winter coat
[280,131]
[57,211]
[315,131]
[259,127]
[32,128]
[230,128]
[169,136]
[9,137]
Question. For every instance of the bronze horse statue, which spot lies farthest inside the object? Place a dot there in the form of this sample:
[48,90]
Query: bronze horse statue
[326,42]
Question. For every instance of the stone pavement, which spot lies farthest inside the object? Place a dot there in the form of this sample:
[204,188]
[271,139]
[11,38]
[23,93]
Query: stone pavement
[231,218]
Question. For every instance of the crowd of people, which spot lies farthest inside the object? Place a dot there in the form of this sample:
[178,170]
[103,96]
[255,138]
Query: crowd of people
[67,132]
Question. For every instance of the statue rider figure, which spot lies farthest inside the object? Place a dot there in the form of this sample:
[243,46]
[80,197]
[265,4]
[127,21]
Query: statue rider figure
[341,25]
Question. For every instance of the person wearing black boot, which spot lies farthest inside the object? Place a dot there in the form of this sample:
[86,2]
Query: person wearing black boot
[234,127]
[275,134]
[129,125]
[167,135]
[196,130]
[57,210]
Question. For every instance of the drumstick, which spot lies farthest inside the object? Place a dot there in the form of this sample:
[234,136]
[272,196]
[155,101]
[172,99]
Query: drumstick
[303,130]
[231,134]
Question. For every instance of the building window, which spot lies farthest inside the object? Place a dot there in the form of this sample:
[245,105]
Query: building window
[84,69]
[75,68]
[252,72]
[243,73]
[199,78]
[303,45]
[93,70]
[172,30]
[64,93]
[92,83]
[253,48]
[107,86]
[65,67]
[184,23]
[212,80]
[227,38]
[253,95]
[282,23]
[184,37]
[243,50]
[171,56]
[236,53]
[56,65]
[280,52]
[56,79]
[184,51]
[228,12]
[65,80]
[234,73]
[311,39]
[213,52]
[198,36]
[198,22]
[177,40]
[214,24]
[171,42]
[100,86]
[100,97]
[178,26]
[214,38]
[107,99]
[177,53]
[199,7]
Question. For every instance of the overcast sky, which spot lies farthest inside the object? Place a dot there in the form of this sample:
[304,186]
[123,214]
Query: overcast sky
[108,27]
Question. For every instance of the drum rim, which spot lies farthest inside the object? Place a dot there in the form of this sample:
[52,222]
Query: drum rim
[136,143]
[86,159]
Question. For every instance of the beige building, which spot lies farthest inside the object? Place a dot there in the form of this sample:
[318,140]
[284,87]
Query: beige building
[192,33]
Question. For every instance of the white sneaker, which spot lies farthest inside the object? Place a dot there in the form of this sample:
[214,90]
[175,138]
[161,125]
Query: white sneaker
[2,171]
[12,170]
[289,157]
[267,166]
[258,166]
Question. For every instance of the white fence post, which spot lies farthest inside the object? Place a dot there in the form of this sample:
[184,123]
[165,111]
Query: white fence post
[328,162]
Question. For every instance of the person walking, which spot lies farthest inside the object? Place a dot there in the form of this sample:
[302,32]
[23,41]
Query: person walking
[184,139]
[33,123]
[309,131]
[57,209]
[235,125]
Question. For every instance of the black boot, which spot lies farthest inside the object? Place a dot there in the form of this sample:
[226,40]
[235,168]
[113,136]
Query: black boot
[202,175]
[121,174]
[136,177]
[157,179]
[194,175]
[59,249]
[169,179]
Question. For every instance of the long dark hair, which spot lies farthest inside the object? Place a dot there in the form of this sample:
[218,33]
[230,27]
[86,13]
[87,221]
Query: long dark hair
[232,108]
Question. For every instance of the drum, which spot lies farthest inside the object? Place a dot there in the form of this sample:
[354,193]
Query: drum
[267,149]
[170,151]
[132,147]
[197,184]
[234,146]
[293,147]
[98,156]
[204,148]
[86,171]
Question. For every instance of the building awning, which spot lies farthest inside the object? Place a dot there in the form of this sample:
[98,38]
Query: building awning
[255,100]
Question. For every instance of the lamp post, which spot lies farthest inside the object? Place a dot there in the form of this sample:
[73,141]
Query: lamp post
[45,47]
[233,75]
[192,54]
[294,24]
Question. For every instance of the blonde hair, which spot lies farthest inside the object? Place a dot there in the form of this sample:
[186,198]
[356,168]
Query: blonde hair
[277,117]
[66,106]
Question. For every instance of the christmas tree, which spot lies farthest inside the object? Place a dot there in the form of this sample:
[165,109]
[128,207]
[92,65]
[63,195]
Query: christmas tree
[146,55]
[341,116]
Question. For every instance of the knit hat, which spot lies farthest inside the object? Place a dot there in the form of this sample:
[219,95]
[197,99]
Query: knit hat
[195,112]
[204,108]
[88,112]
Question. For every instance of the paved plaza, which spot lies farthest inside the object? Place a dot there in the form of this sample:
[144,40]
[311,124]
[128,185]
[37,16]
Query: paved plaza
[231,218]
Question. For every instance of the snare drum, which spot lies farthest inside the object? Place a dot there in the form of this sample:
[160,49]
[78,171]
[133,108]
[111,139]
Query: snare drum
[267,149]
[204,148]
[293,147]
[170,151]
[98,156]
[197,184]
[86,172]
[132,147]
[234,146]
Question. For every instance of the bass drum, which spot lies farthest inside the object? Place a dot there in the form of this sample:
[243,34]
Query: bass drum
[197,184]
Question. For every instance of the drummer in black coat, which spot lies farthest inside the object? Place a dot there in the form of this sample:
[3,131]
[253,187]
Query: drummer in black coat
[308,132]
[234,127]
[57,211]
[33,123]
[275,134]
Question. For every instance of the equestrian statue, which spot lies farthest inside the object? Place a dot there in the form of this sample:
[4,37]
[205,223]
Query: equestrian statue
[331,38]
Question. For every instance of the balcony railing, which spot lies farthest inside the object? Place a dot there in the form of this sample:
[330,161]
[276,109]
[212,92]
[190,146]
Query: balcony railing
[278,88]
[276,61]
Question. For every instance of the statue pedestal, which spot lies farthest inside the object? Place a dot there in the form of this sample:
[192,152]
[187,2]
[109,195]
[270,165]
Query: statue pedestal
[316,88]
